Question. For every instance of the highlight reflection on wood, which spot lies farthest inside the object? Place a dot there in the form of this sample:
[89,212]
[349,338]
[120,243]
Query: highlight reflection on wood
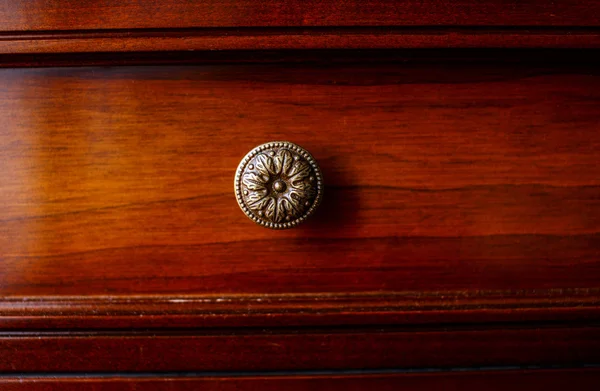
[439,177]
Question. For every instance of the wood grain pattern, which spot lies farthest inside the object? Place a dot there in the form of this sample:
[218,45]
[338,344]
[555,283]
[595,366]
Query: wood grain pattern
[64,26]
[289,349]
[439,177]
[548,380]
[20,15]
[286,39]
[461,221]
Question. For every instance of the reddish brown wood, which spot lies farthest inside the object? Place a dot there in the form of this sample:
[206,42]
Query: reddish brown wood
[21,15]
[143,26]
[460,227]
[297,310]
[269,39]
[118,182]
[440,177]
[458,57]
[298,349]
[548,380]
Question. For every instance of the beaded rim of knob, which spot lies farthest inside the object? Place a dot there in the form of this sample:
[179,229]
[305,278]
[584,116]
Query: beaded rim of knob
[279,145]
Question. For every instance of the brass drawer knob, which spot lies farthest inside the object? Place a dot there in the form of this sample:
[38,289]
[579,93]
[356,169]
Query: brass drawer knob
[278,185]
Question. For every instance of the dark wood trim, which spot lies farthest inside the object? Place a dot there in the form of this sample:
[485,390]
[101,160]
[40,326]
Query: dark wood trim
[20,15]
[102,312]
[295,38]
[547,379]
[569,57]
[297,349]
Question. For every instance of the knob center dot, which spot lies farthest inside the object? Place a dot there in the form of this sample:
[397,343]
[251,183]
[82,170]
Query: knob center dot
[279,186]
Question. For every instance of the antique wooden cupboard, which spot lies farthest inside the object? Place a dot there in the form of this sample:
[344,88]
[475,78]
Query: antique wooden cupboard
[456,245]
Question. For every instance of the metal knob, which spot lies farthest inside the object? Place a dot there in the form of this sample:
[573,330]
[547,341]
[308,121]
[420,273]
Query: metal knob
[278,185]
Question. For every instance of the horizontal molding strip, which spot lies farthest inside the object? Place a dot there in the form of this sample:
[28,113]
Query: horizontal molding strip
[160,40]
[488,379]
[298,310]
[311,373]
[297,350]
[23,15]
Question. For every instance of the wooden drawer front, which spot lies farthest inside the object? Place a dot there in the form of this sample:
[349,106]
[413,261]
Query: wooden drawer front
[439,177]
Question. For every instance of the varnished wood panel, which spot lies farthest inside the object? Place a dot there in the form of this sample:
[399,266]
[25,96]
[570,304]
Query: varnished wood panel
[289,349]
[439,177]
[526,380]
[22,15]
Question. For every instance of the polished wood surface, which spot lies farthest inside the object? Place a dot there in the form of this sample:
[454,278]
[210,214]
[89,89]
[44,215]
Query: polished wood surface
[439,177]
[307,310]
[287,39]
[513,58]
[526,380]
[294,349]
[458,239]
[65,26]
[22,15]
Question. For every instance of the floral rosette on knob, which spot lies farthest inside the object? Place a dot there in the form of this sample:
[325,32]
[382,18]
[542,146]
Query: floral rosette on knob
[278,185]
